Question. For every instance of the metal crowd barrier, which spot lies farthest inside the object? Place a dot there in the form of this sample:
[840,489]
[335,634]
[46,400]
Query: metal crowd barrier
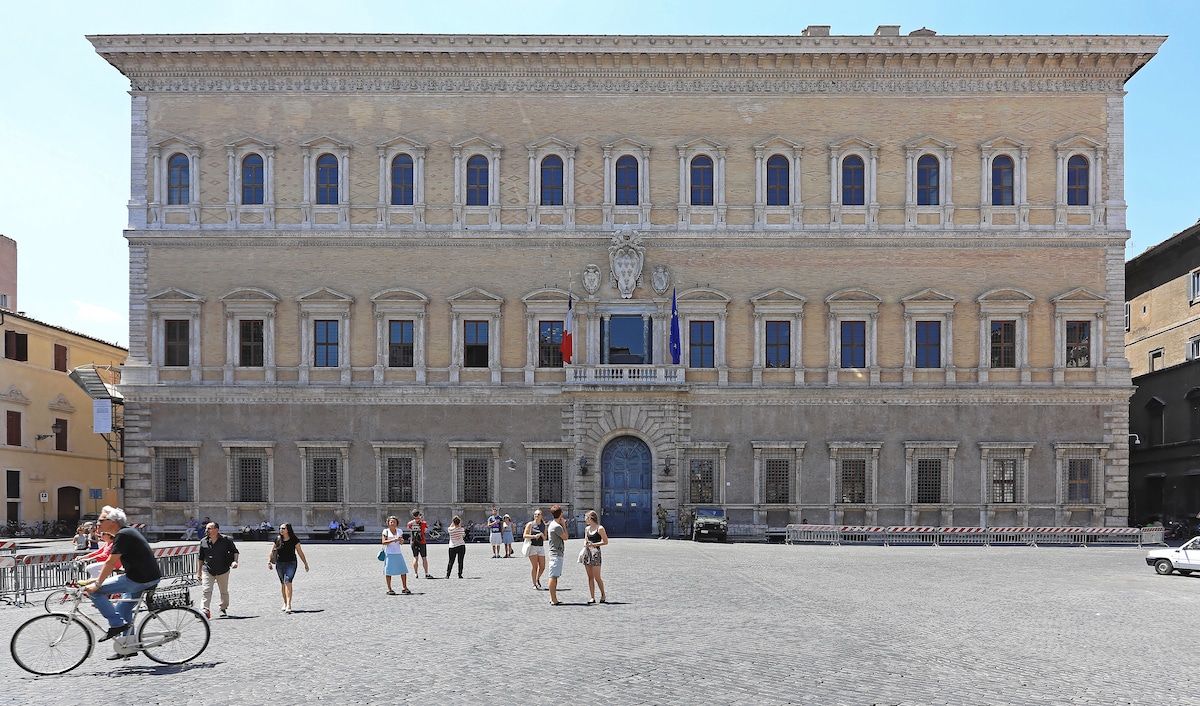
[935,536]
[751,532]
[23,574]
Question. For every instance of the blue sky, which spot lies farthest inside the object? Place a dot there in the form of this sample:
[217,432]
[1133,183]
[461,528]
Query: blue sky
[63,104]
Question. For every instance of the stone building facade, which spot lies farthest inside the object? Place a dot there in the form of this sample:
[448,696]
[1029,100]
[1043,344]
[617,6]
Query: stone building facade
[894,261]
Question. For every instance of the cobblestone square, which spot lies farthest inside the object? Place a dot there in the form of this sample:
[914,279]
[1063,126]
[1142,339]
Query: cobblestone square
[686,623]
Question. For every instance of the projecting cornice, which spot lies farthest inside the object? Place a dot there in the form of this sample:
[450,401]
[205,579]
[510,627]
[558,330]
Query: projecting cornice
[625,64]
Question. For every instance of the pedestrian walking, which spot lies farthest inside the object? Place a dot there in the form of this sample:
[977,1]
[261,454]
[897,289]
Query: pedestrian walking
[535,534]
[283,555]
[458,545]
[393,556]
[594,537]
[506,531]
[661,514]
[495,531]
[81,537]
[417,527]
[218,555]
[557,534]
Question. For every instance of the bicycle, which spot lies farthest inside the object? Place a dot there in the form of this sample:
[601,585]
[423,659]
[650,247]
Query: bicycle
[169,633]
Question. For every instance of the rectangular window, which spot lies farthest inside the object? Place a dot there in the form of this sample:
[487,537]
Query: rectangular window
[475,344]
[324,475]
[475,480]
[1079,345]
[779,344]
[250,345]
[1004,344]
[854,344]
[1004,480]
[702,344]
[1126,317]
[853,477]
[929,344]
[550,336]
[777,472]
[176,343]
[173,477]
[550,480]
[1194,287]
[13,487]
[16,345]
[398,486]
[13,424]
[60,358]
[400,344]
[249,475]
[929,480]
[325,346]
[1079,480]
[60,439]
[702,481]
[1156,359]
[1193,348]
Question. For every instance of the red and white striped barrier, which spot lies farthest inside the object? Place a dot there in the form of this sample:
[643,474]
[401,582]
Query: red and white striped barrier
[7,545]
[182,550]
[33,559]
[8,562]
[974,535]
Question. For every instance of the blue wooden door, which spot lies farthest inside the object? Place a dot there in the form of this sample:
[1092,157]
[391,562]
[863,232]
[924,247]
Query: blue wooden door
[626,477]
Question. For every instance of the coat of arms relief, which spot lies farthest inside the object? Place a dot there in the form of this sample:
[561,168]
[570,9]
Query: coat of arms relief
[626,255]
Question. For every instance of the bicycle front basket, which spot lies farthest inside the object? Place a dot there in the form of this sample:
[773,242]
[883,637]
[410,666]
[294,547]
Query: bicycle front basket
[170,598]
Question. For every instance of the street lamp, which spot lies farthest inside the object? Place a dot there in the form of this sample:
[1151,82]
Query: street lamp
[55,430]
[667,465]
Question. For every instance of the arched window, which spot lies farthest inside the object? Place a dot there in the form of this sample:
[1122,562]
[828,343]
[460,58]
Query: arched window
[253,180]
[327,179]
[179,177]
[1002,181]
[402,180]
[1077,181]
[627,181]
[778,182]
[702,181]
[477,181]
[552,181]
[853,181]
[928,181]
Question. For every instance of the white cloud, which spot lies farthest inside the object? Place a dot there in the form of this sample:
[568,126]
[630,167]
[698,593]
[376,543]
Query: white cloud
[97,314]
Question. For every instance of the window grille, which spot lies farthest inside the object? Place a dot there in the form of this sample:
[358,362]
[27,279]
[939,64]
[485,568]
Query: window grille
[702,480]
[1005,481]
[249,470]
[777,476]
[324,475]
[398,485]
[475,485]
[931,486]
[1079,479]
[852,477]
[550,473]
[173,476]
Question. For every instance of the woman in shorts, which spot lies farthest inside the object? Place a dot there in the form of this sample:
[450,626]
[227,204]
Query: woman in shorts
[594,537]
[535,533]
[393,556]
[286,550]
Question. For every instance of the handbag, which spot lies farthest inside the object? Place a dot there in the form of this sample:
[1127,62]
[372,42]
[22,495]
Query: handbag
[274,558]
[582,554]
[526,546]
[382,555]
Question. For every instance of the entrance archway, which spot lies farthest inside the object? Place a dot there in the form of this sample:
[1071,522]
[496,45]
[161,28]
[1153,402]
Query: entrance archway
[626,480]
[70,504]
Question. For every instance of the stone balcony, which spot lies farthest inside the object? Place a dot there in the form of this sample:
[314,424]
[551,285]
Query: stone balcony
[625,375]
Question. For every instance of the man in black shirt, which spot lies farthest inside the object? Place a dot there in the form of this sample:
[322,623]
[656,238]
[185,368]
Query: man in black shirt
[133,553]
[218,554]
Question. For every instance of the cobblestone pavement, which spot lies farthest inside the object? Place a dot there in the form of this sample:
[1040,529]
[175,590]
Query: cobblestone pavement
[686,623]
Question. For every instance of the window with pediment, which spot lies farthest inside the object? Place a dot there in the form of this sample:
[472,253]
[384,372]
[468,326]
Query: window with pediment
[551,183]
[326,201]
[176,199]
[1004,335]
[1078,321]
[853,164]
[626,182]
[1003,200]
[778,319]
[929,166]
[175,333]
[853,314]
[477,183]
[1078,198]
[701,184]
[702,315]
[249,334]
[545,319]
[324,336]
[475,333]
[400,315]
[401,183]
[251,199]
[929,334]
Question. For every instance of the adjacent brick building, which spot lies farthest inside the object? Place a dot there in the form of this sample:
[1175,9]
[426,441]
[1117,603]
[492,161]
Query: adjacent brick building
[896,262]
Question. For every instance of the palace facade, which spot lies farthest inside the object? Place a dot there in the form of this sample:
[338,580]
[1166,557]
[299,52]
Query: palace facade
[894,260]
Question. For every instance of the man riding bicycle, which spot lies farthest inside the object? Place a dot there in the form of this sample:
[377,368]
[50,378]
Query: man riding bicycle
[131,550]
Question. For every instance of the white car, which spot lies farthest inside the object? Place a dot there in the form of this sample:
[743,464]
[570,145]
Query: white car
[1184,559]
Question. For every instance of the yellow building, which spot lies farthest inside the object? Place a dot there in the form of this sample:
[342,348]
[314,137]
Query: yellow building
[897,263]
[51,458]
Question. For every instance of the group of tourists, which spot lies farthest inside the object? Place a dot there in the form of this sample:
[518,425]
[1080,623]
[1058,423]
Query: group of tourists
[544,544]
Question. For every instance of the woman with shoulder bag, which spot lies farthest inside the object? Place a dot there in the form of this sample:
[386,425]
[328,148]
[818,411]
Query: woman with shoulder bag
[393,559]
[283,557]
[594,537]
[535,535]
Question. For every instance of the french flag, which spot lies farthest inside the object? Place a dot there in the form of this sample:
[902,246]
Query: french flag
[568,327]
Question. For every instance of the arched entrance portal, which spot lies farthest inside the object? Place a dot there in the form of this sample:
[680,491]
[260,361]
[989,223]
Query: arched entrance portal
[70,502]
[626,477]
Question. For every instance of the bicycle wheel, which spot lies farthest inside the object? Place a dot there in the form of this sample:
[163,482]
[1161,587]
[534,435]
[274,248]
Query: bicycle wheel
[51,644]
[58,601]
[173,635]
